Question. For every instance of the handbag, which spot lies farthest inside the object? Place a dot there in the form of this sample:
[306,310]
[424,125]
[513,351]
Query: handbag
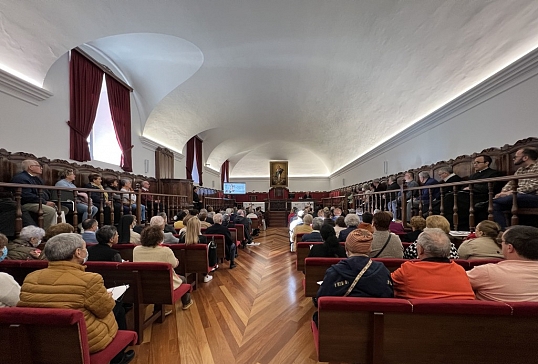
[383,248]
[358,277]
[212,253]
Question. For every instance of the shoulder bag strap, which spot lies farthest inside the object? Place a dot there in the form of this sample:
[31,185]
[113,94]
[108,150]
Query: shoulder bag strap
[383,248]
[358,277]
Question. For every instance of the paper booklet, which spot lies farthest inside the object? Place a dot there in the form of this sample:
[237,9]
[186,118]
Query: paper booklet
[118,291]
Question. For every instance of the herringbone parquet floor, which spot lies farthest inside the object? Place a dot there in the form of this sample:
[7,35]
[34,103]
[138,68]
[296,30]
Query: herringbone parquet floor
[255,313]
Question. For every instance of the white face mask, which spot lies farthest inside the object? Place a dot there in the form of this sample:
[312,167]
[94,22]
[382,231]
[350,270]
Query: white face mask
[3,255]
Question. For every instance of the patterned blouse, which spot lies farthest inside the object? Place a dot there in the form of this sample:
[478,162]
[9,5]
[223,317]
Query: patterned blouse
[411,252]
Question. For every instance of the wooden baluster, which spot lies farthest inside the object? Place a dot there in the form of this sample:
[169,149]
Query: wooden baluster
[515,218]
[75,211]
[471,210]
[430,207]
[442,203]
[59,205]
[40,220]
[455,209]
[490,201]
[111,199]
[18,212]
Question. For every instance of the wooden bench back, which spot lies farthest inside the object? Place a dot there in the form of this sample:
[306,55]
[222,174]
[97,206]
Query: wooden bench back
[376,330]
[221,244]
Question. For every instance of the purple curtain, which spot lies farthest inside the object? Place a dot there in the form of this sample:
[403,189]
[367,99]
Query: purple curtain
[85,80]
[224,173]
[119,98]
[198,146]
[190,157]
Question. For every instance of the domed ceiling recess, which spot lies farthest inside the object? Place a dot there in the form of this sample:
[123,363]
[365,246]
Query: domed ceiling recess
[315,82]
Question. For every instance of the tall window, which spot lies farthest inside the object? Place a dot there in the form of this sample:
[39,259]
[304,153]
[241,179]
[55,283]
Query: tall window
[104,145]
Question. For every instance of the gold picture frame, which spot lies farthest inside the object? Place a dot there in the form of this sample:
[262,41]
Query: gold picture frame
[278,176]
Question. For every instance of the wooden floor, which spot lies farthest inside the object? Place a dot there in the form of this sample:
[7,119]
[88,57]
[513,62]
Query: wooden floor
[255,313]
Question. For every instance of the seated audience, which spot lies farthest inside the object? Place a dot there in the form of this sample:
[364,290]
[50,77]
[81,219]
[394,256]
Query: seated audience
[241,219]
[351,221]
[9,288]
[25,246]
[527,188]
[485,245]
[151,250]
[8,214]
[366,223]
[178,224]
[315,235]
[231,248]
[202,216]
[152,204]
[169,238]
[482,169]
[167,228]
[328,217]
[193,236]
[516,278]
[90,227]
[424,197]
[58,229]
[112,185]
[358,275]
[304,228]
[103,252]
[433,221]
[418,223]
[81,200]
[339,225]
[396,226]
[31,197]
[384,243]
[330,248]
[65,284]
[129,198]
[125,230]
[447,175]
[434,276]
[101,200]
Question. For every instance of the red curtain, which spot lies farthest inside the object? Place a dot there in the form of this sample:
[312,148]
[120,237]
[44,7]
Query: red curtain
[190,157]
[224,173]
[85,80]
[198,147]
[119,98]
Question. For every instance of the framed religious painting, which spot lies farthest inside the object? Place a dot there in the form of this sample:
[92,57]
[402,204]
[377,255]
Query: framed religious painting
[278,173]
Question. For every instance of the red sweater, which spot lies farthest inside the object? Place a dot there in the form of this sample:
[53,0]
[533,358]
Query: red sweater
[428,279]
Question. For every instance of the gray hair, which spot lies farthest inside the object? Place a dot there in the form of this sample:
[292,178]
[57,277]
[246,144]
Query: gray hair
[317,223]
[240,213]
[157,221]
[424,174]
[27,163]
[446,169]
[31,231]
[351,220]
[203,210]
[435,243]
[217,219]
[211,214]
[105,234]
[63,246]
[229,210]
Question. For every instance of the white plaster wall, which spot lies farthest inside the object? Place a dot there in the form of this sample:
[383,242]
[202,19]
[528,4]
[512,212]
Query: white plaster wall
[502,119]
[295,184]
[42,130]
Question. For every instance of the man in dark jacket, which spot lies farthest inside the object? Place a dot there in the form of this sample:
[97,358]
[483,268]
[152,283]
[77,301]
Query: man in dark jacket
[31,170]
[374,282]
[315,235]
[217,228]
[241,219]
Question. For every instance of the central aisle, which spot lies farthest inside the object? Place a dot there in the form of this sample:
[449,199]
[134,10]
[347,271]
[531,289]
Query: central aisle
[255,313]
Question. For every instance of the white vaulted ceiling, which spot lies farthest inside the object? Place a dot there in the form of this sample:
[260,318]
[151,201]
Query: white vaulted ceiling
[315,82]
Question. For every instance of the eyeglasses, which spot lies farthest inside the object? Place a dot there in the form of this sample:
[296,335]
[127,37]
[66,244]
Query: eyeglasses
[37,165]
[517,156]
[476,162]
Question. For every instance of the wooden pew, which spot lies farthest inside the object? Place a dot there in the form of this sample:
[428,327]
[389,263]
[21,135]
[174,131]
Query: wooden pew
[233,233]
[383,330]
[240,233]
[193,259]
[303,248]
[52,336]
